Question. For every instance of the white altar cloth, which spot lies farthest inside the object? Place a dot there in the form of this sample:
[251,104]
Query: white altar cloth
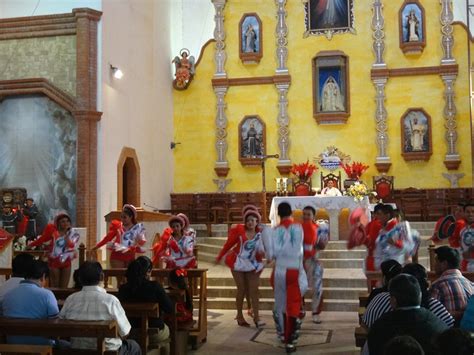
[333,206]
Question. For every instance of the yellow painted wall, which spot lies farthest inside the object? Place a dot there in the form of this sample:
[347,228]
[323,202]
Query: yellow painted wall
[194,109]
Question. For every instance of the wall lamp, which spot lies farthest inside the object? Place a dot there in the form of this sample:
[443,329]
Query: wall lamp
[117,73]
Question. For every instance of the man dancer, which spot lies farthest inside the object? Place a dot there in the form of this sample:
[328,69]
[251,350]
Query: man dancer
[315,239]
[284,244]
[30,211]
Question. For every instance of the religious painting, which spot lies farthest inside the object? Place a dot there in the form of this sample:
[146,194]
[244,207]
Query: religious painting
[329,17]
[412,29]
[251,140]
[331,101]
[416,135]
[250,39]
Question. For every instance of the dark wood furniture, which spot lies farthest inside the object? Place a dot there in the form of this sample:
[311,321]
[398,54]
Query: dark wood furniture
[15,349]
[383,185]
[337,178]
[59,328]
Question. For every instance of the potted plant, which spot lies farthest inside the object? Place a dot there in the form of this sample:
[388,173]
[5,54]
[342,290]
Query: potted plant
[354,171]
[303,173]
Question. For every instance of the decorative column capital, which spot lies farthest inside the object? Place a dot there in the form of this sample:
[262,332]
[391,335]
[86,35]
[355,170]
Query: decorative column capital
[378,34]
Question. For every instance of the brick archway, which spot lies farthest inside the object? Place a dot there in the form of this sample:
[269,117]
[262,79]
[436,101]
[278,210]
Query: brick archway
[128,178]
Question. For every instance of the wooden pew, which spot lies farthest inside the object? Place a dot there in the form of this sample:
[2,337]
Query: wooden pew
[197,280]
[59,328]
[360,335]
[15,349]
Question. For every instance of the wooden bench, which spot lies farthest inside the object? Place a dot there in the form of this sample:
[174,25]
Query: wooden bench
[360,335]
[59,328]
[15,349]
[197,282]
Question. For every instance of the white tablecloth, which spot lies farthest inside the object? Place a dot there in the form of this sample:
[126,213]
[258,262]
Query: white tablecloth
[333,206]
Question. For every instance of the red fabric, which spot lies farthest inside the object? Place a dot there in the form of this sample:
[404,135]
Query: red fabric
[160,247]
[435,236]
[232,246]
[5,237]
[287,222]
[310,230]
[357,236]
[115,225]
[50,234]
[464,265]
[321,7]
[293,294]
[22,224]
[455,239]
[383,189]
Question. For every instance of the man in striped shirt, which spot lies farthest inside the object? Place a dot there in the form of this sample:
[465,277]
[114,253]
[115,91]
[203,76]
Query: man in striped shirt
[451,288]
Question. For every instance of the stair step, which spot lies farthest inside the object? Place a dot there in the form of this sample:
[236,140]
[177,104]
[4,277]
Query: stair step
[358,283]
[267,292]
[267,304]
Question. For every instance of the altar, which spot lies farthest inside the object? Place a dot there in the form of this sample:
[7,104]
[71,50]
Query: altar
[333,206]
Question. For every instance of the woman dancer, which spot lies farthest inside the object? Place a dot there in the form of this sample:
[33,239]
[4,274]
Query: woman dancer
[175,247]
[244,252]
[63,240]
[125,238]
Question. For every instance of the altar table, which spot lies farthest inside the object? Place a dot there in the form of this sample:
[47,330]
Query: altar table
[333,206]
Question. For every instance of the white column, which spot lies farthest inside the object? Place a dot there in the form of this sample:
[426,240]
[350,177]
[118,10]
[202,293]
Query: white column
[281,33]
[219,35]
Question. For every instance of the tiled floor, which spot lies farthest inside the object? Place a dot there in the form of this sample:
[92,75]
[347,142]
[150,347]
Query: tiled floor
[334,336]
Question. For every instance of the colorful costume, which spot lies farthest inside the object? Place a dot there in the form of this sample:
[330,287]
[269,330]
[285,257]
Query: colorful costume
[284,244]
[124,244]
[246,255]
[316,237]
[463,240]
[396,241]
[62,249]
[177,253]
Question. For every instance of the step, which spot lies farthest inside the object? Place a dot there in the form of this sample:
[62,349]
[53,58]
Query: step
[267,292]
[267,304]
[342,263]
[265,282]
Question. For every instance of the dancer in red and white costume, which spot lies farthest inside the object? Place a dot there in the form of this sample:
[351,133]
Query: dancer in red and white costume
[284,244]
[463,237]
[62,249]
[316,237]
[187,230]
[243,253]
[125,238]
[175,248]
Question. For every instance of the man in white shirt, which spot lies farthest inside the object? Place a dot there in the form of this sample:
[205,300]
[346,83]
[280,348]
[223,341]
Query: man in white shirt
[20,266]
[330,190]
[93,303]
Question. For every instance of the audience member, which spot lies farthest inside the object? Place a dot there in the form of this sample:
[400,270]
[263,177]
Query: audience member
[31,301]
[381,303]
[390,269]
[139,288]
[451,288]
[454,341]
[405,345]
[20,265]
[408,318]
[93,303]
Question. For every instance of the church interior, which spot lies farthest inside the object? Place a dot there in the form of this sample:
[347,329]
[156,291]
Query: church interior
[158,131]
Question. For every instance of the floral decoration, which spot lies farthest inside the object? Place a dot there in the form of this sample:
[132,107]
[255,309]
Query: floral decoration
[303,171]
[355,169]
[359,191]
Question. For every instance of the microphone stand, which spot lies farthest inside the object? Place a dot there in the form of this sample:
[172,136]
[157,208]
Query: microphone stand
[263,159]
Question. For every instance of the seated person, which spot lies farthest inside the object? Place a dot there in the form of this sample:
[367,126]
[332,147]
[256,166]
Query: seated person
[452,289]
[408,318]
[381,303]
[31,301]
[139,288]
[93,303]
[331,189]
[454,341]
[390,268]
[20,265]
[405,345]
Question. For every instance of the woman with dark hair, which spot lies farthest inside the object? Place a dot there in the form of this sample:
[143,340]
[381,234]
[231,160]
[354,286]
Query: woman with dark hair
[62,247]
[243,253]
[125,238]
[390,269]
[139,288]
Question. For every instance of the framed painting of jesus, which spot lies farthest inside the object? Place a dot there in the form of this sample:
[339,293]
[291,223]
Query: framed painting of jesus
[329,17]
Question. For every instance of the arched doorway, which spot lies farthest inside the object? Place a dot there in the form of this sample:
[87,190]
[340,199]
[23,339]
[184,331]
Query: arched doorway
[128,178]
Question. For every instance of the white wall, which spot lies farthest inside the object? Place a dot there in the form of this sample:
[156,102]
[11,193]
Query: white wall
[460,12]
[20,8]
[192,25]
[138,109]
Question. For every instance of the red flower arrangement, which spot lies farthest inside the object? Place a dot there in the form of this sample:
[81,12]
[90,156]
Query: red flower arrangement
[355,169]
[303,171]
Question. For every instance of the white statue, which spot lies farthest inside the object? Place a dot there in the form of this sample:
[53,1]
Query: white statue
[418,131]
[250,39]
[331,96]
[412,27]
